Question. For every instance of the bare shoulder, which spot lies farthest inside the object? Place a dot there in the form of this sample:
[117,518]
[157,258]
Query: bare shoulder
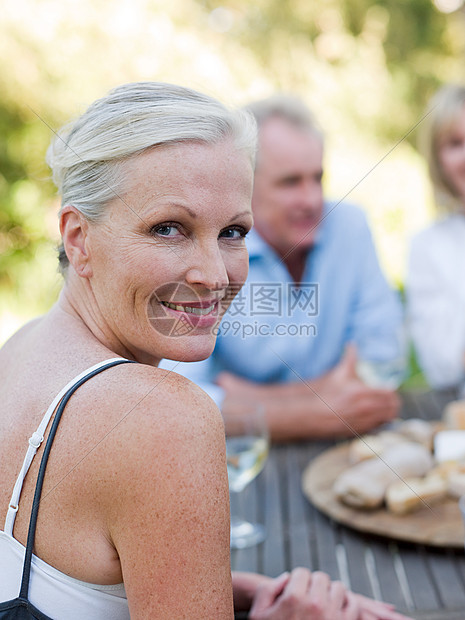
[164,398]
[167,498]
[16,339]
[159,415]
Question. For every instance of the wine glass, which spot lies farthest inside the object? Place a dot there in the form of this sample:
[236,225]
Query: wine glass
[462,507]
[377,373]
[385,375]
[247,446]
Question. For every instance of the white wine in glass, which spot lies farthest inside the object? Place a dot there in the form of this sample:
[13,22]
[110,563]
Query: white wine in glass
[383,375]
[247,446]
[388,374]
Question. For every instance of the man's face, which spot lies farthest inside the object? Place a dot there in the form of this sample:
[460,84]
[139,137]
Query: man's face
[287,200]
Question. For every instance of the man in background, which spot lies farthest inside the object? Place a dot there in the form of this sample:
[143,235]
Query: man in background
[315,304]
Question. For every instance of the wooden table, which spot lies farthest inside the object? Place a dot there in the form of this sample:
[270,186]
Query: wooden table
[424,582]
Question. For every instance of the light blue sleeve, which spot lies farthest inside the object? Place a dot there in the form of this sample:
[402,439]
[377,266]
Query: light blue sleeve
[377,323]
[200,373]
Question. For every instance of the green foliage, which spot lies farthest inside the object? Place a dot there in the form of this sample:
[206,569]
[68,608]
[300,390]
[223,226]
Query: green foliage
[415,379]
[366,67]
[410,40]
[25,195]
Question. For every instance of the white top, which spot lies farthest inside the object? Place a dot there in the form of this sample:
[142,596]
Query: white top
[54,593]
[436,301]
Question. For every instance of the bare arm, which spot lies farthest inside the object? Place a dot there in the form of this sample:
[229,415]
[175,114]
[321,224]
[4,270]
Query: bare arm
[170,515]
[336,404]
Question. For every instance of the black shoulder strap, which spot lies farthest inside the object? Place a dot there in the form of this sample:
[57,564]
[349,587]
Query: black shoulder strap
[40,478]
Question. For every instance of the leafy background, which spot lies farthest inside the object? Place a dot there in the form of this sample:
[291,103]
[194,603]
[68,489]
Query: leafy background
[366,68]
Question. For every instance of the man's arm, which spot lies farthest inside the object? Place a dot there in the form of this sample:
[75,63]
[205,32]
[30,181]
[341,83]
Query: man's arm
[336,404]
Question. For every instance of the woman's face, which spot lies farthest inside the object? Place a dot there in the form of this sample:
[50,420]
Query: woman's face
[169,251]
[452,156]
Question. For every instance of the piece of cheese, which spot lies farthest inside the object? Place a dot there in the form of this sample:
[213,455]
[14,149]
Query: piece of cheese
[449,446]
[454,415]
[456,484]
[404,496]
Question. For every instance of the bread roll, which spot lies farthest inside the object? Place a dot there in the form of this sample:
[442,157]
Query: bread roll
[370,446]
[454,415]
[453,474]
[418,430]
[404,496]
[364,485]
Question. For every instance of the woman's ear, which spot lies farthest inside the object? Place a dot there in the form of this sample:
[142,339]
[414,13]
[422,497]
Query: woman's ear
[74,232]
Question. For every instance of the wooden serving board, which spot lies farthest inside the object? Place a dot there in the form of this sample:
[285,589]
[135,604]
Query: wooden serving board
[440,525]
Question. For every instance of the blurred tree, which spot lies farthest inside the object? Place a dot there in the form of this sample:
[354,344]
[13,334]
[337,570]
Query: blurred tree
[365,66]
[408,47]
[25,231]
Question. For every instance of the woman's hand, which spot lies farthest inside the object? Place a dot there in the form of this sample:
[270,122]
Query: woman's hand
[302,595]
[376,610]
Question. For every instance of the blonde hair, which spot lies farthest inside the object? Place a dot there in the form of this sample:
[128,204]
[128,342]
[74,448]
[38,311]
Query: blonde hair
[87,156]
[442,114]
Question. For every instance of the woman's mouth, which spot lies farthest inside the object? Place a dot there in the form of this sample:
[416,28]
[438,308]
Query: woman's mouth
[197,309]
[196,314]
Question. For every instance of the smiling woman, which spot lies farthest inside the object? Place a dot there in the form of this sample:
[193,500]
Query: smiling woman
[156,183]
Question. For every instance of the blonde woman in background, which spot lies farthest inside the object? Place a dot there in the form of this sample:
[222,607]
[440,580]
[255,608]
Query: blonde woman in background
[436,270]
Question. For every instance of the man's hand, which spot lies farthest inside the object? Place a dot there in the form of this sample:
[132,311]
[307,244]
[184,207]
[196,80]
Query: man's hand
[356,406]
[336,404]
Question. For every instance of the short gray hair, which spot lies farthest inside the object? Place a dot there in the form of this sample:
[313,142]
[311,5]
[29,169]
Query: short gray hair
[87,156]
[287,107]
[441,115]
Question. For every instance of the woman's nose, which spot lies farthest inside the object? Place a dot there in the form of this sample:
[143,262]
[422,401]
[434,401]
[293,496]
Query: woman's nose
[208,269]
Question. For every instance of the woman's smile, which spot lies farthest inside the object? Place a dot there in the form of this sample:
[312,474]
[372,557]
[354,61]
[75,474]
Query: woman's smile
[197,314]
[199,310]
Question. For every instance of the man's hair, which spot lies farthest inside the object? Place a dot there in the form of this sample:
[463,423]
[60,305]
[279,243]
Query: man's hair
[442,114]
[287,107]
[88,156]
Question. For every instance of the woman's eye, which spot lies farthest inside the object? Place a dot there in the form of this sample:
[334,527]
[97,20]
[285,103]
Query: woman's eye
[165,230]
[234,233]
[453,142]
